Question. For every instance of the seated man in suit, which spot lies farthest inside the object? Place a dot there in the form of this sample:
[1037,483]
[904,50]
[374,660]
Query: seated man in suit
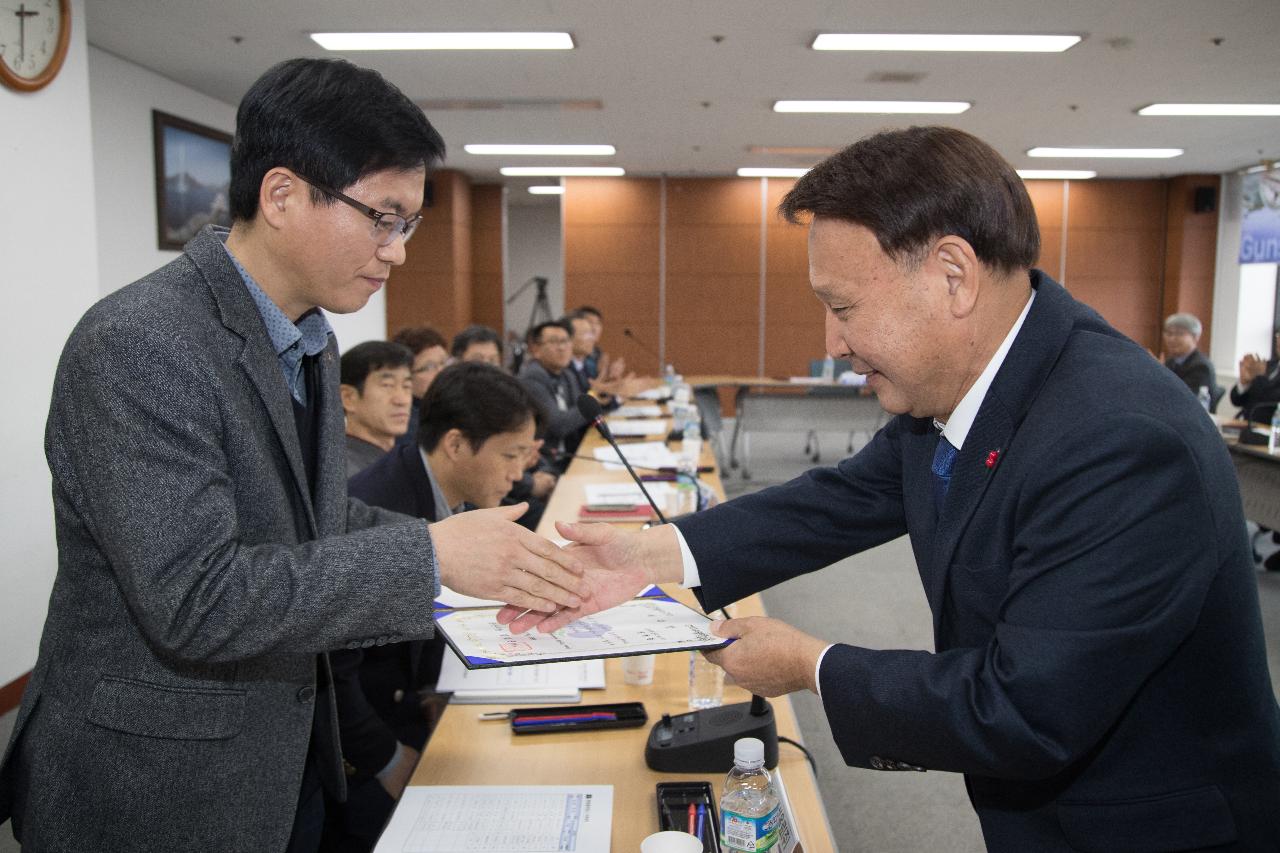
[1181,336]
[377,398]
[1258,390]
[429,357]
[547,375]
[478,426]
[1100,673]
[477,343]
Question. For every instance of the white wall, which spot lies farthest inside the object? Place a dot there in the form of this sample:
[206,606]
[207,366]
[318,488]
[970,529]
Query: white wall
[533,248]
[49,243]
[122,96]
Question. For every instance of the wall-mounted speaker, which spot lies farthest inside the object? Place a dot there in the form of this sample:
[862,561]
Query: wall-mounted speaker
[1204,200]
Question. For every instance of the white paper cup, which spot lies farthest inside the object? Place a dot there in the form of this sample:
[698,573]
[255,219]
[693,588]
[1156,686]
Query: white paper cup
[671,842]
[638,669]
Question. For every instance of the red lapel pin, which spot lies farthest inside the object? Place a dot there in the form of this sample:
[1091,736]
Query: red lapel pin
[992,458]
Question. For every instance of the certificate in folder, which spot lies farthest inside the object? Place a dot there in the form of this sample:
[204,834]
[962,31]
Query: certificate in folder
[651,623]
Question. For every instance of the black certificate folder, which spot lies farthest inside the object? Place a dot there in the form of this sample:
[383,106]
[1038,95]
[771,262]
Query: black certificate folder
[652,623]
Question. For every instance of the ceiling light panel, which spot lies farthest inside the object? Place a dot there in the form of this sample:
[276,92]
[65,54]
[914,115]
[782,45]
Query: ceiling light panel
[1122,153]
[443,41]
[542,150]
[753,172]
[547,190]
[562,171]
[1210,110]
[873,107]
[945,42]
[1056,174]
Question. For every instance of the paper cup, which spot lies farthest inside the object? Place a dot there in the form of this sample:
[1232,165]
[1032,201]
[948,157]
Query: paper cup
[638,669]
[671,842]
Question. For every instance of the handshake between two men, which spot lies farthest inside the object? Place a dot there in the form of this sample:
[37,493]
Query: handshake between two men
[546,587]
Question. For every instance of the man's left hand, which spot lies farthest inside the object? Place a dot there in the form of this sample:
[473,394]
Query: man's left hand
[770,658]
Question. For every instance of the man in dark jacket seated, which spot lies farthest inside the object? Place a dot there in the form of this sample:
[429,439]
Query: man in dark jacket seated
[1181,338]
[476,431]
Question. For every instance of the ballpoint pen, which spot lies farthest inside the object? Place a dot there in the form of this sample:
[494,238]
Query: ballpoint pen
[693,817]
[702,814]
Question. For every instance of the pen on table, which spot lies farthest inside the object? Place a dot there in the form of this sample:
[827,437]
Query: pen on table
[693,817]
[548,719]
[702,814]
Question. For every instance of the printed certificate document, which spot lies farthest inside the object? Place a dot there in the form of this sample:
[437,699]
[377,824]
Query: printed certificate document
[649,624]
[500,819]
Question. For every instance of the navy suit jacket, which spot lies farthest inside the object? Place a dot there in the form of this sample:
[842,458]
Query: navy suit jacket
[1100,675]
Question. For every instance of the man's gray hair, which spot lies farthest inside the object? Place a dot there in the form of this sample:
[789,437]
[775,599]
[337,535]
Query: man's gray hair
[1190,322]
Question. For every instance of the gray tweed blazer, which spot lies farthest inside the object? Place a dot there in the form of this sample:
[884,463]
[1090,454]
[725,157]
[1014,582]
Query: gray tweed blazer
[198,580]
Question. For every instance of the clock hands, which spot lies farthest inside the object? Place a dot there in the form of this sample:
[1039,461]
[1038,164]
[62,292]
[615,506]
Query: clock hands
[23,13]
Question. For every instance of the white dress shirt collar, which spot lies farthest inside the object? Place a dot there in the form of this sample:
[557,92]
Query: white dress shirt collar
[957,427]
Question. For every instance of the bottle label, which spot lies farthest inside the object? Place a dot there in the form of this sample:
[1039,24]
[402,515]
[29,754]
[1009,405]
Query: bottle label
[754,834]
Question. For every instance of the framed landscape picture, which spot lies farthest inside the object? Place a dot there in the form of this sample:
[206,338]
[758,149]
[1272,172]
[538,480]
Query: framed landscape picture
[193,178]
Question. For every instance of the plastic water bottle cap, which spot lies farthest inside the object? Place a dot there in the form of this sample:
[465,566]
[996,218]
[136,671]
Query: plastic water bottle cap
[748,753]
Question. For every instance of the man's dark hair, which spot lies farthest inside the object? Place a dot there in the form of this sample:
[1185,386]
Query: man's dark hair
[370,356]
[480,400]
[474,335]
[535,334]
[419,338]
[329,120]
[909,187]
[588,309]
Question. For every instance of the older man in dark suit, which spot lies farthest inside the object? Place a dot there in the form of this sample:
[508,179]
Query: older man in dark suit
[1181,338]
[208,554]
[1100,675]
[1258,390]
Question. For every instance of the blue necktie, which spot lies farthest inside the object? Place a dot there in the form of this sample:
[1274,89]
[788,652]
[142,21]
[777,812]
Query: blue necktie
[943,460]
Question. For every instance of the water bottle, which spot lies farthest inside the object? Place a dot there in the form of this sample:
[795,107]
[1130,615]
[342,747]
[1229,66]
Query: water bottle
[1205,398]
[828,369]
[1273,441]
[669,375]
[750,813]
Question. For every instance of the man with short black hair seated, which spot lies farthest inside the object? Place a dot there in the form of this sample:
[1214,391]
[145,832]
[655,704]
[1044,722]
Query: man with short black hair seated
[376,397]
[547,376]
[478,424]
[429,358]
[477,343]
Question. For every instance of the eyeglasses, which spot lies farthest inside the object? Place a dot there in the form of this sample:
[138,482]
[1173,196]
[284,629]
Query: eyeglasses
[386,226]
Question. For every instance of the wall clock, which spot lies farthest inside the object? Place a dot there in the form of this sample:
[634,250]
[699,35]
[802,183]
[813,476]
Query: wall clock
[33,42]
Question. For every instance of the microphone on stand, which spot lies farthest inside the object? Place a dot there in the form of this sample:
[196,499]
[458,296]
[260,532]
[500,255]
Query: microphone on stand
[650,350]
[589,408]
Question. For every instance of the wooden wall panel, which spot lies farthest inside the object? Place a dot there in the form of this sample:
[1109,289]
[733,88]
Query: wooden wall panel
[1134,251]
[1191,246]
[794,327]
[1115,253]
[433,287]
[1046,198]
[713,274]
[611,253]
[486,255]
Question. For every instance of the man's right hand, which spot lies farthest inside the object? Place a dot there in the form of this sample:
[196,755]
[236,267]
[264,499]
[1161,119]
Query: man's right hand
[484,553]
[616,566]
[1251,367]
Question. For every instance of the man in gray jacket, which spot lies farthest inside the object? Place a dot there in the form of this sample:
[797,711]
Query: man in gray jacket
[208,553]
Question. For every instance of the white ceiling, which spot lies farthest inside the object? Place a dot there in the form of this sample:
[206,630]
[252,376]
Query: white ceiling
[688,85]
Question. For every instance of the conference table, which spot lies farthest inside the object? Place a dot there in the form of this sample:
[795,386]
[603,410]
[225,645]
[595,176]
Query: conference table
[464,750]
[1258,473]
[801,406]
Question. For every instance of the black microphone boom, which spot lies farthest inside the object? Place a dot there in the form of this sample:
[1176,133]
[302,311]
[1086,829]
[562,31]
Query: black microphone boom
[589,408]
[627,332]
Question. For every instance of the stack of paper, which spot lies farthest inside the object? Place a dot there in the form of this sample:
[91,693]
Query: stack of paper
[636,412]
[531,819]
[648,426]
[661,392]
[645,454]
[601,495]
[540,683]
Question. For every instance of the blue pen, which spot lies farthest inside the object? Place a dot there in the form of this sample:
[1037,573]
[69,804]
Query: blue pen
[702,813]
